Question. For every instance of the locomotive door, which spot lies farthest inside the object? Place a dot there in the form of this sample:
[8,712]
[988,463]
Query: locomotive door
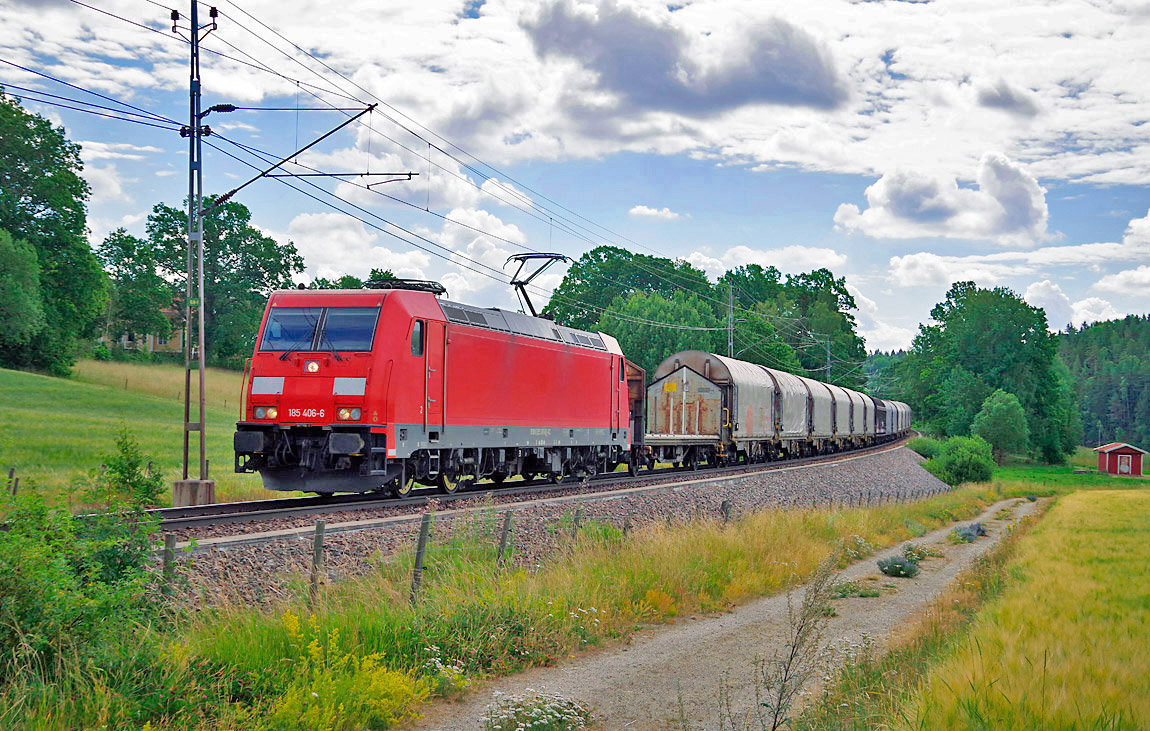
[618,383]
[435,361]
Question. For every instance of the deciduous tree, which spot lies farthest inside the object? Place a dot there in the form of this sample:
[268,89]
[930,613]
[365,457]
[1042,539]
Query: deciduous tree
[139,293]
[1002,422]
[21,309]
[43,202]
[242,266]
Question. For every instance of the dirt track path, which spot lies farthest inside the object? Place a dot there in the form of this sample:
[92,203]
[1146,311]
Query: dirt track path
[639,686]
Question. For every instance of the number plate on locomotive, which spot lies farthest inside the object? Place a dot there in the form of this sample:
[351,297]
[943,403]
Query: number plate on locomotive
[305,413]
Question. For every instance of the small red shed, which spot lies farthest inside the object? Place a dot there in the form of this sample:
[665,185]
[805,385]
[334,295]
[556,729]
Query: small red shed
[1119,458]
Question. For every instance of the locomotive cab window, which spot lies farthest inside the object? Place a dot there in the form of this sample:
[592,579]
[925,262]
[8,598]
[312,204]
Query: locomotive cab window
[349,328]
[290,328]
[417,339]
[320,328]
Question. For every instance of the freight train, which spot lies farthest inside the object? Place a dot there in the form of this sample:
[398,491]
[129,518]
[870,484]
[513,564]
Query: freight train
[386,389]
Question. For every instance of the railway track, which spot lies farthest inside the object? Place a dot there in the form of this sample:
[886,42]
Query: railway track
[186,518]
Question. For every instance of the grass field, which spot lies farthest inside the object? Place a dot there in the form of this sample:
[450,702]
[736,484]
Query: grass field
[53,431]
[246,668]
[1066,646]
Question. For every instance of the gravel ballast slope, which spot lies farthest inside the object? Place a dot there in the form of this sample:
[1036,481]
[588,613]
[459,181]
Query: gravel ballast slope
[260,573]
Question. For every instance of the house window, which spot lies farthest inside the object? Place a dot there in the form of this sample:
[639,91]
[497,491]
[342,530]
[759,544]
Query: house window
[162,339]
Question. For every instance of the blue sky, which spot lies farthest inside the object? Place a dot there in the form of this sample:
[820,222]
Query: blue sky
[903,145]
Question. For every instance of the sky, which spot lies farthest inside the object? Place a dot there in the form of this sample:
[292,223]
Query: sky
[903,145]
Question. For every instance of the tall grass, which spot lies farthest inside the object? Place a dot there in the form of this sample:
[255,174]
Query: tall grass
[164,380]
[1066,645]
[470,620]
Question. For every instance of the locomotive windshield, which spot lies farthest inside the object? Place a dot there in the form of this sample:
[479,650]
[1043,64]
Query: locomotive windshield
[320,328]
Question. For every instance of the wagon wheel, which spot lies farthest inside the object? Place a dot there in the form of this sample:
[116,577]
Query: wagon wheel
[553,477]
[498,477]
[632,467]
[402,488]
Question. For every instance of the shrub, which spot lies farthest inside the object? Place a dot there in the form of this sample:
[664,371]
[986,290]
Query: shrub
[1002,423]
[963,459]
[966,533]
[65,583]
[926,446]
[126,475]
[898,566]
[536,710]
[917,551]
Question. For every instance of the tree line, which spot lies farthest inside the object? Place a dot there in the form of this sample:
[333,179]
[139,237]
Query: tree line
[656,306]
[1110,365]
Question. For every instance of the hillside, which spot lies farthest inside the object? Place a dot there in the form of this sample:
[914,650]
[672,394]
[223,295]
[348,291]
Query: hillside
[54,430]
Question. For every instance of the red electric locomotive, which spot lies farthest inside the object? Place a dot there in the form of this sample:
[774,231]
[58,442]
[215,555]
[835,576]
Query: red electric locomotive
[366,390]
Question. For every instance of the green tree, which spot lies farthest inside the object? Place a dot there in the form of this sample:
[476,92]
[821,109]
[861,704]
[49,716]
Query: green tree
[242,267]
[647,345]
[139,293]
[42,202]
[982,340]
[1002,423]
[347,281]
[21,308]
[600,276]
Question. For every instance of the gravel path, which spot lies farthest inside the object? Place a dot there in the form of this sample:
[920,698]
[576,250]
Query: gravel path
[263,573]
[639,686]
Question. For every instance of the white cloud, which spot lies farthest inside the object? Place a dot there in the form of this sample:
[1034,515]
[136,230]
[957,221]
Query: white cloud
[91,150]
[878,334]
[664,213]
[107,184]
[1060,311]
[788,259]
[333,245]
[1130,281]
[929,269]
[884,336]
[1009,206]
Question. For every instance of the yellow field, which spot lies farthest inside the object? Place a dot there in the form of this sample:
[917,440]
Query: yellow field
[1068,644]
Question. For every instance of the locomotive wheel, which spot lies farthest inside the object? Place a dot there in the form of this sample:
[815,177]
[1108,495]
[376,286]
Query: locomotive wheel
[399,488]
[450,484]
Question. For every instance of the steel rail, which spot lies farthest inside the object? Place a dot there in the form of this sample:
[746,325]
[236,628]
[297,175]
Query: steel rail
[179,519]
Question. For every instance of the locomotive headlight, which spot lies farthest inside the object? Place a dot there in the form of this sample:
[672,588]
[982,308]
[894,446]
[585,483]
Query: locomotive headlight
[273,412]
[261,412]
[348,414]
[312,366]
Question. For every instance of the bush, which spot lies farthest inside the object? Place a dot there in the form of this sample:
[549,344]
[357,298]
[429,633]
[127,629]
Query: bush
[918,551]
[898,566]
[66,583]
[966,533]
[962,459]
[533,709]
[926,446]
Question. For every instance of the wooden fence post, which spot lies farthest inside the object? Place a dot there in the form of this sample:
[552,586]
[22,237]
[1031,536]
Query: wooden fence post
[576,521]
[15,485]
[725,508]
[316,562]
[504,537]
[169,571]
[420,550]
[627,523]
